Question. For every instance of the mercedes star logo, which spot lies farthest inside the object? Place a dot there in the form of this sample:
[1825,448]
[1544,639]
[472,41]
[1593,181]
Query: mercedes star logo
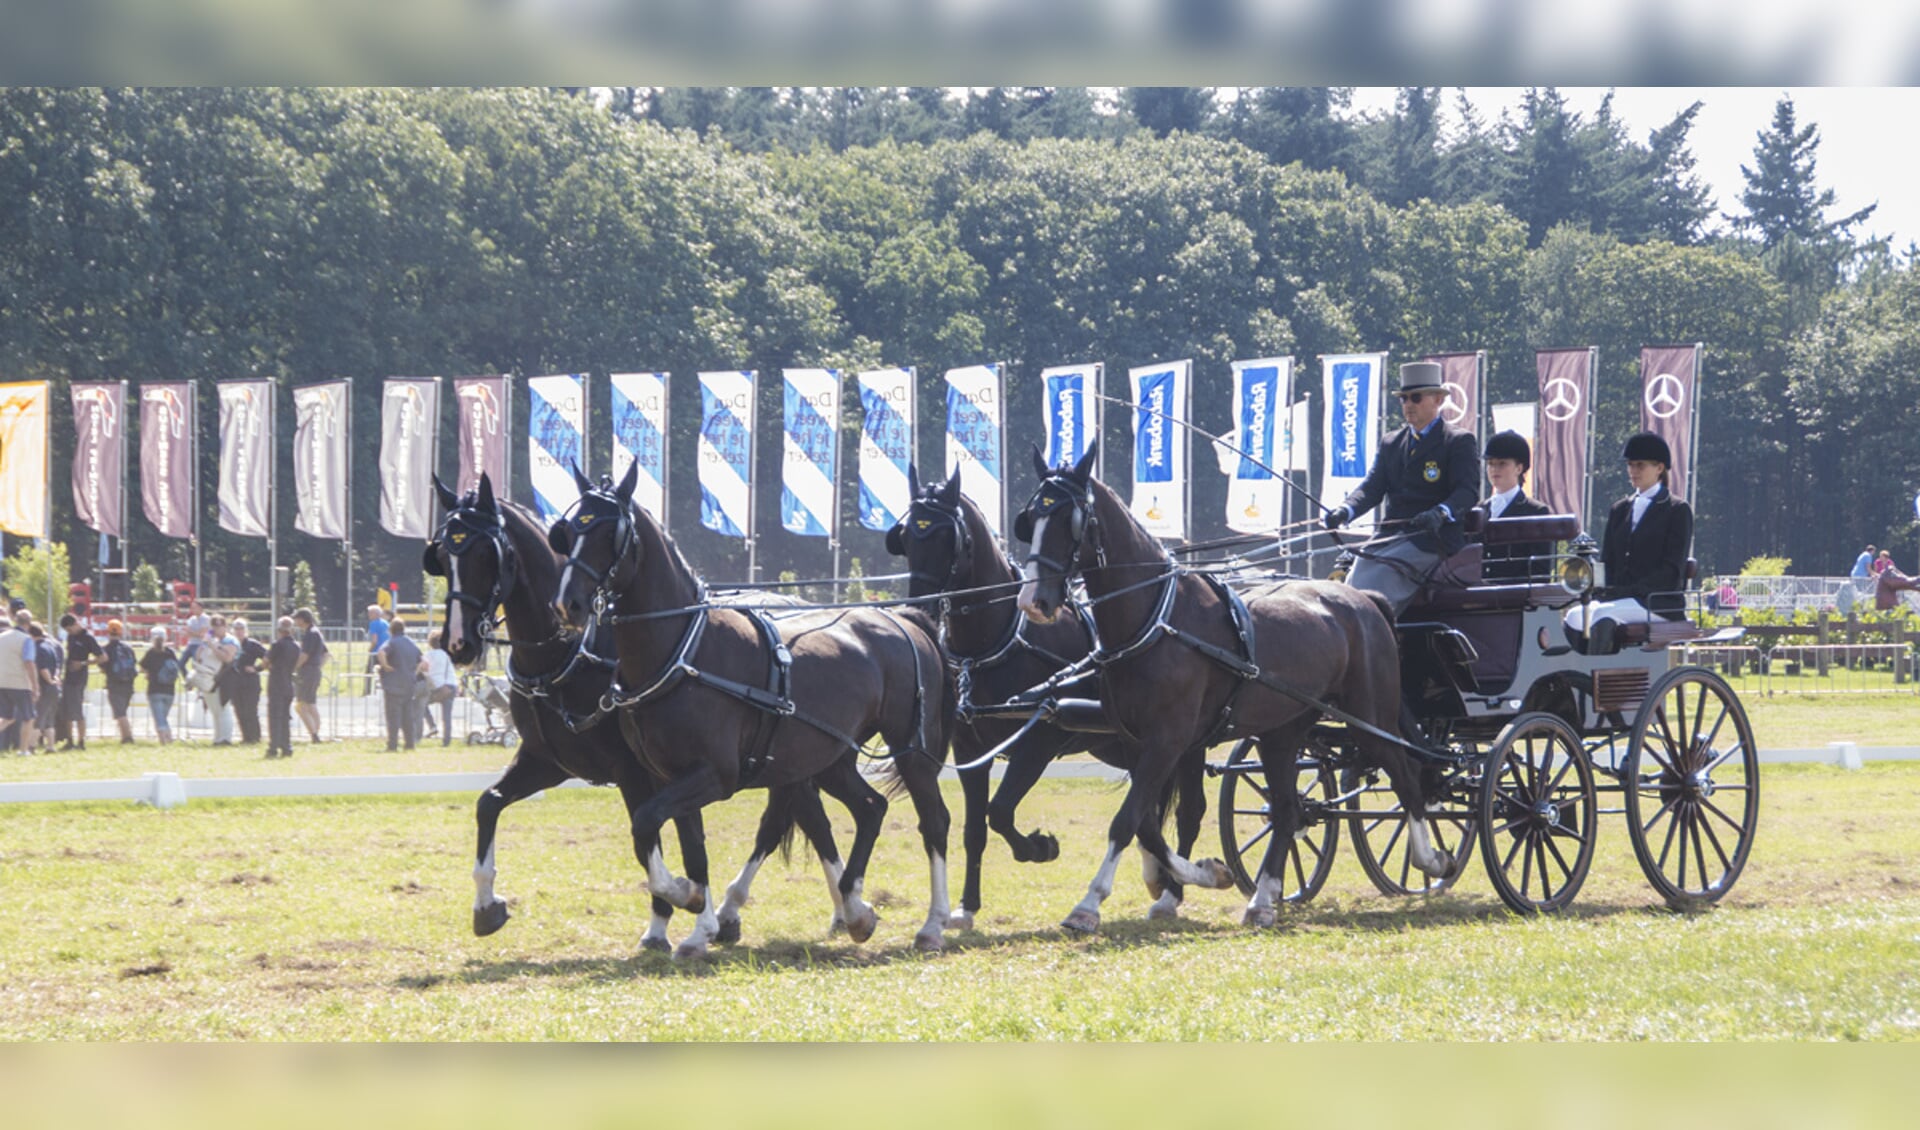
[1455,405]
[1665,396]
[1563,400]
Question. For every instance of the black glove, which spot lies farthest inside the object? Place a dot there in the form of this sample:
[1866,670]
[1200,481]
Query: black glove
[1338,517]
[1429,521]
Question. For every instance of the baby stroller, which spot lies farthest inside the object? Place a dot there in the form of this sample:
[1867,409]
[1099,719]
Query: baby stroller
[491,693]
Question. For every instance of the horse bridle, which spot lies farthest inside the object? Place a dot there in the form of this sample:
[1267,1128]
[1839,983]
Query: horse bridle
[920,529]
[1057,492]
[579,525]
[463,529]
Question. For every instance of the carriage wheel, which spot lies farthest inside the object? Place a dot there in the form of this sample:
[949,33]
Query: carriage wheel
[1379,833]
[1246,824]
[1537,814]
[1692,778]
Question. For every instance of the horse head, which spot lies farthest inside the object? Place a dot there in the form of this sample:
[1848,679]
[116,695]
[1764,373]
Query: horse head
[1057,524]
[470,550]
[934,537]
[598,541]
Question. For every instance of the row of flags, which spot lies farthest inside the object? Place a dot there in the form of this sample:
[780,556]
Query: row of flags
[1266,445]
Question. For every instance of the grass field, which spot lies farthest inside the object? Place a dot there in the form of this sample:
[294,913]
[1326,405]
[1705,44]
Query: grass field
[348,919]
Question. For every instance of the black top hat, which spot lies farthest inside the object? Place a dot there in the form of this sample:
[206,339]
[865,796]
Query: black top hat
[1510,445]
[1648,448]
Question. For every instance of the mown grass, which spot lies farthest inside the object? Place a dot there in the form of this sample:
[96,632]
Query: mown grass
[348,919]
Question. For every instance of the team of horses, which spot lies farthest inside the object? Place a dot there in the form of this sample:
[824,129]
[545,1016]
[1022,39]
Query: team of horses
[626,672]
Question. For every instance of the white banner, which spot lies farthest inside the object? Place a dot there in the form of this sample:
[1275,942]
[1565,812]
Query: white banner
[556,427]
[1516,417]
[1256,490]
[810,453]
[246,457]
[886,445]
[1352,396]
[640,436]
[1070,409]
[974,437]
[1162,395]
[726,452]
[1299,424]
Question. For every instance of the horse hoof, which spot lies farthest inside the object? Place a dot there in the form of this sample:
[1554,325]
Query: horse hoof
[656,943]
[689,951]
[696,899]
[489,918]
[729,932]
[1046,848]
[861,927]
[1218,877]
[929,942]
[960,920]
[1258,916]
[1163,909]
[1084,922]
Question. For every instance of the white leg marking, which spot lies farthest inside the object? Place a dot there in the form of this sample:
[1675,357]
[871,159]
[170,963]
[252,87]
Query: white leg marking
[833,870]
[740,890]
[1208,873]
[656,936]
[1166,906]
[705,925]
[861,918]
[664,883]
[930,936]
[1150,873]
[483,873]
[1102,884]
[1420,849]
[1266,896]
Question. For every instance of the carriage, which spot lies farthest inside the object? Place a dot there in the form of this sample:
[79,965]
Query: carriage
[1525,741]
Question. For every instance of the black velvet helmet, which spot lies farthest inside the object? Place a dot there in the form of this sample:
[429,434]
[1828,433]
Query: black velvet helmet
[1510,445]
[1648,448]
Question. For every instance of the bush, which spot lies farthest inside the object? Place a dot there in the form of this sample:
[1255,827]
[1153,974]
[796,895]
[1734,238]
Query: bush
[35,573]
[1766,566]
[300,588]
[146,584]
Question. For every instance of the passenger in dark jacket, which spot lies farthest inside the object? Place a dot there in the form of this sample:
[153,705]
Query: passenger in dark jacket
[1649,534]
[1509,458]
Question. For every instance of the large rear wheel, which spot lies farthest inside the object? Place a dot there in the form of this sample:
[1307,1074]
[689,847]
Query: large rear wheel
[1246,823]
[1692,781]
[1537,814]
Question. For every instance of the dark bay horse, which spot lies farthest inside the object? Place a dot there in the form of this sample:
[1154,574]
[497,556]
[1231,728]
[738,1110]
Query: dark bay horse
[1000,653]
[1174,678]
[495,556]
[720,699]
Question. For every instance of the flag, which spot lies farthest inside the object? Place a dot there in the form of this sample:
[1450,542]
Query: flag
[480,414]
[1255,489]
[1515,417]
[1463,375]
[886,445]
[1351,425]
[1298,425]
[640,436]
[99,454]
[974,437]
[810,464]
[409,440]
[246,457]
[1669,378]
[23,458]
[557,421]
[726,451]
[1161,394]
[1071,407]
[167,445]
[320,459]
[1560,456]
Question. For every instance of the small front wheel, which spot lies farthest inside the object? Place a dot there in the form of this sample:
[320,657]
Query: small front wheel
[1537,814]
[1692,778]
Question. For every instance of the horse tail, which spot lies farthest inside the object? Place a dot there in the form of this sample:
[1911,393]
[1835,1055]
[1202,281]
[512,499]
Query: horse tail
[1383,604]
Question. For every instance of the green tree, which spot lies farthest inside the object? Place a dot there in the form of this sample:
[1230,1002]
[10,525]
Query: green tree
[145,585]
[39,575]
[300,590]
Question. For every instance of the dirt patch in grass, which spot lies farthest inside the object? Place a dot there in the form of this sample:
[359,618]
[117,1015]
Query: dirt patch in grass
[249,879]
[157,969]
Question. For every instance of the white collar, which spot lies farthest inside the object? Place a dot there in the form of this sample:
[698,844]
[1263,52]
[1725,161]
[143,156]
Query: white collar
[1652,493]
[1498,504]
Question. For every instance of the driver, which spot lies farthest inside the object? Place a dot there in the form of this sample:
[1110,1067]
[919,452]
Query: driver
[1428,473]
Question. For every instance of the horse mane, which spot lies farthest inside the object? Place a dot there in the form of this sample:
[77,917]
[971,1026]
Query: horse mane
[982,537]
[528,537]
[1123,518]
[661,542]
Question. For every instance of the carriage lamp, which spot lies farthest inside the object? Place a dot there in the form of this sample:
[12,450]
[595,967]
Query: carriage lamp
[1576,575]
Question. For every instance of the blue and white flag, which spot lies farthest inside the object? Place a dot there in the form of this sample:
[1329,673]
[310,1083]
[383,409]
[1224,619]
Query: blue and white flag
[1070,403]
[1352,399]
[974,437]
[886,446]
[1161,396]
[556,427]
[810,454]
[640,436]
[1255,488]
[726,452]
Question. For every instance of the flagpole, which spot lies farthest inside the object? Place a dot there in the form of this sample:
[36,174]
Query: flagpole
[126,565]
[666,448]
[46,485]
[273,506]
[833,527]
[506,433]
[753,504]
[193,444]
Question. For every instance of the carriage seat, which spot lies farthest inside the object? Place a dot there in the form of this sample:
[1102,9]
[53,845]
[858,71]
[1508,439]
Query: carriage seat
[1660,632]
[1459,584]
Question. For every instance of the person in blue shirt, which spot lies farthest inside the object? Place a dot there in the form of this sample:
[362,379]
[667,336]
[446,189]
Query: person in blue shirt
[1863,565]
[377,635]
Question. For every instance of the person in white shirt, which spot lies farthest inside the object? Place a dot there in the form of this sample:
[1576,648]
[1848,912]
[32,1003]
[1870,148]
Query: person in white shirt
[1508,458]
[1649,534]
[19,680]
[439,686]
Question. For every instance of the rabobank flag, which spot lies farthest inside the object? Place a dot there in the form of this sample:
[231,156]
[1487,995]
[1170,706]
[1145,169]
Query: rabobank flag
[1071,403]
[640,436]
[886,446]
[1352,418]
[974,423]
[726,452]
[556,423]
[1161,395]
[1255,490]
[810,453]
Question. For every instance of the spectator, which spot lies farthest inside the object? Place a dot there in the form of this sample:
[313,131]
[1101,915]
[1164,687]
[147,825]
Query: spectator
[306,679]
[197,621]
[441,684]
[400,668]
[1863,564]
[377,634]
[1883,562]
[163,675]
[283,663]
[207,660]
[120,665]
[51,659]
[82,652]
[243,682]
[19,673]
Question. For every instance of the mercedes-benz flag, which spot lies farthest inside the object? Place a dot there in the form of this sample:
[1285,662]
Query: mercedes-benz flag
[1566,409]
[1669,382]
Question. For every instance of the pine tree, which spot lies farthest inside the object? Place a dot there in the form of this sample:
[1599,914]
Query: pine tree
[1782,198]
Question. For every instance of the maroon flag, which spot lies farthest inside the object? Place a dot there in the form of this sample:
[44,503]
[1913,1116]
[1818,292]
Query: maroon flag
[1462,375]
[481,410]
[99,451]
[166,457]
[1566,411]
[1669,377]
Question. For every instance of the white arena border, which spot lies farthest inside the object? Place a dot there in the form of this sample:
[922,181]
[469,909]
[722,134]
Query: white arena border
[170,790]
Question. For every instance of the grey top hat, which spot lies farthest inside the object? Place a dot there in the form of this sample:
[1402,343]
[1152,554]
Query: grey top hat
[1416,376]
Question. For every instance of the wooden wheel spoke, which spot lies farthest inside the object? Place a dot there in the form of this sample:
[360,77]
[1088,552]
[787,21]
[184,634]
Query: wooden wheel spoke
[1699,714]
[1518,841]
[1548,846]
[1713,735]
[1526,864]
[1680,821]
[1554,785]
[1262,834]
[1721,758]
[1666,732]
[1717,811]
[1698,824]
[1673,825]
[1299,871]
[1706,825]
